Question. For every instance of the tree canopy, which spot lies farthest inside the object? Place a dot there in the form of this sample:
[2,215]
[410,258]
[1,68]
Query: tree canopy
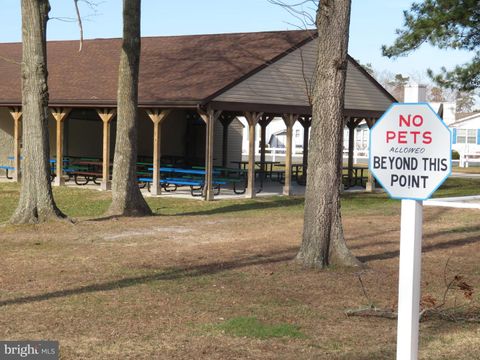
[446,24]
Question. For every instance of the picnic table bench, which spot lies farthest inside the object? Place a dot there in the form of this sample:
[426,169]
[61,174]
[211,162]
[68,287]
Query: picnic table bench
[196,185]
[89,171]
[172,178]
[359,177]
[7,169]
[234,177]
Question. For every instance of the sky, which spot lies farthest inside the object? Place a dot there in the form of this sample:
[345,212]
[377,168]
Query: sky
[373,23]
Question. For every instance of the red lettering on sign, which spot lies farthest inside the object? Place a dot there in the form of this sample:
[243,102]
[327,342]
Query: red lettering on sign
[427,137]
[390,136]
[416,120]
[402,137]
[415,133]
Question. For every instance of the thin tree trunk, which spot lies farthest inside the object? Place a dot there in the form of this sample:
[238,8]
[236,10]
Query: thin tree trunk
[36,202]
[323,241]
[127,200]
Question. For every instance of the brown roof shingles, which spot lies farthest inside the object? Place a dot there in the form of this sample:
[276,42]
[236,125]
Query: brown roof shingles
[173,70]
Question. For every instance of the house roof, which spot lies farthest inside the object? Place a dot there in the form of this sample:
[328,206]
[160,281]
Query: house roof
[466,116]
[174,70]
[463,118]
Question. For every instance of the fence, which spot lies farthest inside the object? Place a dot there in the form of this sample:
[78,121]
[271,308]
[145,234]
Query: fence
[469,159]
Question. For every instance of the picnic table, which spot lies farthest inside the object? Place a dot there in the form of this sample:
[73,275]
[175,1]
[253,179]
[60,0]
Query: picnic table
[177,177]
[298,173]
[268,164]
[7,169]
[172,178]
[89,170]
[358,176]
[268,171]
[234,177]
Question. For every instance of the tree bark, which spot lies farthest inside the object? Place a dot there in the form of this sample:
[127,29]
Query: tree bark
[323,241]
[127,200]
[36,202]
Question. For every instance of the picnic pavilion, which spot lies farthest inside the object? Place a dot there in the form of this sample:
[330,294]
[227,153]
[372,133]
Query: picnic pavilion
[191,90]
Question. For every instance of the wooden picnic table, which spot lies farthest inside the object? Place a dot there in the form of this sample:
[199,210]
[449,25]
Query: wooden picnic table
[269,164]
[89,170]
[358,176]
[297,169]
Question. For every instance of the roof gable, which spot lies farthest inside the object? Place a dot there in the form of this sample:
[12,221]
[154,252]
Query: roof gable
[288,82]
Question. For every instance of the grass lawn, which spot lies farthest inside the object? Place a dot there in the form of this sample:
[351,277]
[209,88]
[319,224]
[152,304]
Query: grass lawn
[216,280]
[467,170]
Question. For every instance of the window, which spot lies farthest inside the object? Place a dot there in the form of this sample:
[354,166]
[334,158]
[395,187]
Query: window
[297,133]
[466,136]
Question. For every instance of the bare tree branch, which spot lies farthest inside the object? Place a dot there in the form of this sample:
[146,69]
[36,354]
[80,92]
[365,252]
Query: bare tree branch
[80,25]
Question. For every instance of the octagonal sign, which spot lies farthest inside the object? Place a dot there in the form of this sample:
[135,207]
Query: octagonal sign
[410,151]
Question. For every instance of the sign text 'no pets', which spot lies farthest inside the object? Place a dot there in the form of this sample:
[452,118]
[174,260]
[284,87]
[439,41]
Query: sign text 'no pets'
[410,151]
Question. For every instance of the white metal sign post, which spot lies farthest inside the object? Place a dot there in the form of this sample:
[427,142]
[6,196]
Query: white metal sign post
[410,156]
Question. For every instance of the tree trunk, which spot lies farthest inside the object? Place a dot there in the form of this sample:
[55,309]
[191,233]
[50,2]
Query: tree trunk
[323,241]
[36,202]
[127,200]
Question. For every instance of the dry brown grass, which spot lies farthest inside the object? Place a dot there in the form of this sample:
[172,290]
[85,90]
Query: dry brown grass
[155,288]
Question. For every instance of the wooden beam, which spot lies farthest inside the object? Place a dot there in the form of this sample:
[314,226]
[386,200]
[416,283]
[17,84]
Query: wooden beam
[352,124]
[306,122]
[16,114]
[209,116]
[263,122]
[60,115]
[370,186]
[252,120]
[106,115]
[370,122]
[289,120]
[157,116]
[226,119]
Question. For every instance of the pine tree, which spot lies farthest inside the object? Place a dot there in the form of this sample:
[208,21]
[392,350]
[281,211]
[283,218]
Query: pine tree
[446,24]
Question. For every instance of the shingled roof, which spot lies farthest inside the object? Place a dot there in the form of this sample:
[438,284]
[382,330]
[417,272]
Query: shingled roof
[174,70]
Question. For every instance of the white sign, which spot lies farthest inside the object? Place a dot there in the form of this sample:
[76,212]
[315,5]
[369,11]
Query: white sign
[410,151]
[410,156]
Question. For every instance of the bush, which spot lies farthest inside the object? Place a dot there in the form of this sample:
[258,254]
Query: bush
[455,155]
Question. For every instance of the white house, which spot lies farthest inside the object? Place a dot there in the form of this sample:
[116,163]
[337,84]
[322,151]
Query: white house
[466,138]
[276,140]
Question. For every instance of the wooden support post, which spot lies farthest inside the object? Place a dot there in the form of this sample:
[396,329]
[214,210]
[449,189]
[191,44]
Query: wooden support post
[263,122]
[209,116]
[252,120]
[17,130]
[226,119]
[351,144]
[352,124]
[306,122]
[60,115]
[289,120]
[370,185]
[106,115]
[157,116]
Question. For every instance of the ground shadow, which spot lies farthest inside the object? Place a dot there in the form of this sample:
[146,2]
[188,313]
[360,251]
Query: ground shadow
[426,248]
[262,204]
[250,206]
[163,274]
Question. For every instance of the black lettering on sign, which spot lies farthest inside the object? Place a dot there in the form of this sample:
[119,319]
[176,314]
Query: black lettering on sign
[379,162]
[403,163]
[435,164]
[409,181]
